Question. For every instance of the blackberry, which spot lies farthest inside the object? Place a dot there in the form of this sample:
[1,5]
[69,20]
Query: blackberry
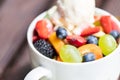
[45,48]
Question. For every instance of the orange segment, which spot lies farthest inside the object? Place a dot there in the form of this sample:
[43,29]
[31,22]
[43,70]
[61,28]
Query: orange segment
[56,42]
[91,48]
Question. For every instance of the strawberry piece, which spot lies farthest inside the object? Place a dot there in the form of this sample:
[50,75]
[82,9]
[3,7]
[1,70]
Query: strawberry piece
[76,40]
[89,31]
[35,38]
[115,26]
[106,24]
[44,28]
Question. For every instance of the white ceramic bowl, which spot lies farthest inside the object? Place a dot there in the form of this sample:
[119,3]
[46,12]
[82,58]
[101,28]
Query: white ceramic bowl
[107,68]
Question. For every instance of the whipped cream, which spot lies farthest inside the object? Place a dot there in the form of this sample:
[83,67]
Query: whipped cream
[78,11]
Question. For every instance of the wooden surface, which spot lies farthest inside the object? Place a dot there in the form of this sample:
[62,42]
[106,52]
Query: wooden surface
[14,55]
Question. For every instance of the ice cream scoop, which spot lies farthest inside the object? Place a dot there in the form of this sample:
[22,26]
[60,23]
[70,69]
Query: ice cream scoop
[78,11]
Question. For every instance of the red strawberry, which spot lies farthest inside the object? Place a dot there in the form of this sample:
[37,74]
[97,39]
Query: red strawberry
[115,26]
[44,28]
[106,24]
[76,40]
[89,31]
[35,38]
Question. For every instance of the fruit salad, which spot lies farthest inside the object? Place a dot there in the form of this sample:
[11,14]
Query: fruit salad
[62,41]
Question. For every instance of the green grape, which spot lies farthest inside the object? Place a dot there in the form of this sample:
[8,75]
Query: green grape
[107,43]
[69,53]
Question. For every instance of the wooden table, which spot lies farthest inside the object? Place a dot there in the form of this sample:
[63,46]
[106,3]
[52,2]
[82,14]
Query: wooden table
[19,65]
[16,62]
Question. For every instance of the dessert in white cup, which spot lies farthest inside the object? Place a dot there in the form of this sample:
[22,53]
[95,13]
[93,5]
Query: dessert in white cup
[106,68]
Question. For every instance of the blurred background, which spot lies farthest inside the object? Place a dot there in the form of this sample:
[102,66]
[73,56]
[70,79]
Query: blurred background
[15,17]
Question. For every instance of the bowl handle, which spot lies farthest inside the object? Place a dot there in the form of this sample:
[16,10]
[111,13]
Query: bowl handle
[39,73]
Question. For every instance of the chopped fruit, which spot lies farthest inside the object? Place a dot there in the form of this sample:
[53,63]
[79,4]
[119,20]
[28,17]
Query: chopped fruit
[91,48]
[90,31]
[106,24]
[115,34]
[76,40]
[69,53]
[97,23]
[78,29]
[58,59]
[63,40]
[99,34]
[118,40]
[92,40]
[45,48]
[44,28]
[35,38]
[101,28]
[88,57]
[61,33]
[115,26]
[107,43]
[56,42]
